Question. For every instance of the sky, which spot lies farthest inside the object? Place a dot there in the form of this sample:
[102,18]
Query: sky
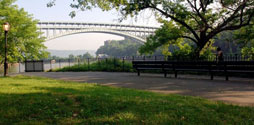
[86,41]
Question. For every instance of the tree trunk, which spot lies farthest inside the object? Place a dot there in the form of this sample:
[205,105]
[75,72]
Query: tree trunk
[196,53]
[199,48]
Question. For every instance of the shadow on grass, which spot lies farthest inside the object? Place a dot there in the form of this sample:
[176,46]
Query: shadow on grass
[106,105]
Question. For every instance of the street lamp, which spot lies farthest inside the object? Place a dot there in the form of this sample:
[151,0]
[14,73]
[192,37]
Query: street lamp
[6,28]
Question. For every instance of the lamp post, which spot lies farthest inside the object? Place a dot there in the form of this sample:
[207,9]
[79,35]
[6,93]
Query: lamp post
[6,28]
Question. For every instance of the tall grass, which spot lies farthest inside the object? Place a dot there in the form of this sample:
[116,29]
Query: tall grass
[108,65]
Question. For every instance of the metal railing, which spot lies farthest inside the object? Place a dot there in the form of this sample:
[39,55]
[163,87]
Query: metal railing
[61,63]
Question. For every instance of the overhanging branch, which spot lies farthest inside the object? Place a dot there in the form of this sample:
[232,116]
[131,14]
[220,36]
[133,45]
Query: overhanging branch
[192,39]
[177,20]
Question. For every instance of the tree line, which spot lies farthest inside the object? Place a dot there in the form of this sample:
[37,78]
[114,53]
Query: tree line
[190,28]
[71,56]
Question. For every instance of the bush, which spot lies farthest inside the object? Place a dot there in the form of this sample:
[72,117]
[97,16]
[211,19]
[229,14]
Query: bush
[108,65]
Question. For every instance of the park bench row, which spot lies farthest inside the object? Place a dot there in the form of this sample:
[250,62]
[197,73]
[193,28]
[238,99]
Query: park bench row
[213,68]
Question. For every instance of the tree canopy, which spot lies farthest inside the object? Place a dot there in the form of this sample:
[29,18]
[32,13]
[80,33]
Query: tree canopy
[196,20]
[245,37]
[85,56]
[119,48]
[24,41]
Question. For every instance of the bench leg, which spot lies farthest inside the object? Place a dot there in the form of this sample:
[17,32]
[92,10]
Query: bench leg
[211,76]
[165,74]
[175,74]
[138,73]
[226,77]
[226,73]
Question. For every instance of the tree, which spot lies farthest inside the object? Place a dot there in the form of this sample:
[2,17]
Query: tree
[245,37]
[87,55]
[71,56]
[227,42]
[24,41]
[119,48]
[198,20]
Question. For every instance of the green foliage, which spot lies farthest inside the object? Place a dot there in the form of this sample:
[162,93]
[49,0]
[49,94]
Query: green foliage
[186,50]
[207,53]
[169,36]
[86,55]
[169,33]
[198,21]
[71,56]
[108,65]
[33,100]
[248,51]
[119,48]
[182,49]
[24,40]
[245,37]
[227,42]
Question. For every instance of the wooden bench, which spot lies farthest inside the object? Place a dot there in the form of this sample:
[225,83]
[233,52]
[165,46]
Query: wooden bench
[151,65]
[212,67]
[231,67]
[193,66]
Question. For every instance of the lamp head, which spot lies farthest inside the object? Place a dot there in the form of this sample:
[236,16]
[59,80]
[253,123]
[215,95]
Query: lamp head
[6,26]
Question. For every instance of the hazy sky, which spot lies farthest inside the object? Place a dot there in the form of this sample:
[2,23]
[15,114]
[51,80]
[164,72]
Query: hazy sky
[87,41]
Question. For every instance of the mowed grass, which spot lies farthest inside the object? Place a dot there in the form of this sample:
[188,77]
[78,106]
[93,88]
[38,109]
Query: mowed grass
[33,100]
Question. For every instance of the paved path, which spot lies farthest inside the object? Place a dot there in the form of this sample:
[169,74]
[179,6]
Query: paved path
[236,91]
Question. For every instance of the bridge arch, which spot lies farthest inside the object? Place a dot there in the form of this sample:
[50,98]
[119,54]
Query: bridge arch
[98,30]
[53,30]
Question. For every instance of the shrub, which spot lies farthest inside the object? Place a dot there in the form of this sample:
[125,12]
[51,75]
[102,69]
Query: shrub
[108,65]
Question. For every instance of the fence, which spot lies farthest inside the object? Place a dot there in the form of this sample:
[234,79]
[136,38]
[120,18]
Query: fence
[13,68]
[60,63]
[34,66]
[226,57]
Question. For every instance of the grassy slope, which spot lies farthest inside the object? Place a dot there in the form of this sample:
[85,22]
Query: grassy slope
[26,100]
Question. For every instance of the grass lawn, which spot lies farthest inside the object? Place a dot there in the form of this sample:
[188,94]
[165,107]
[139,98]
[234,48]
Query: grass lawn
[33,100]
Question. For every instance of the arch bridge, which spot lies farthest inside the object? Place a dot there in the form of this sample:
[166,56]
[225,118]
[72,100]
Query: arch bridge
[53,30]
